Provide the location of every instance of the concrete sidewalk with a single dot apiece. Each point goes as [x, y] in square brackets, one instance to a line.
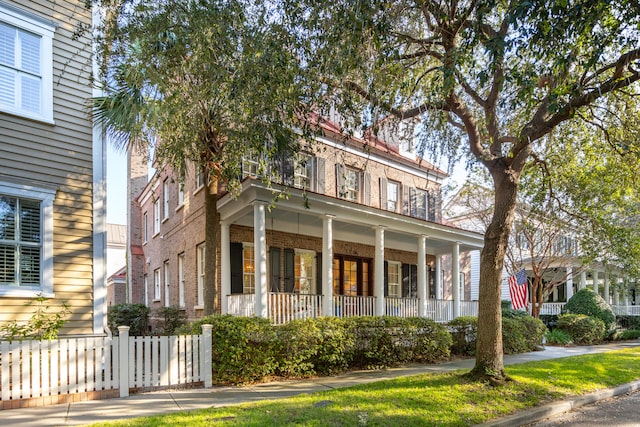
[163, 402]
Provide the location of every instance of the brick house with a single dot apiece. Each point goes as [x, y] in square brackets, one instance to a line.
[360, 233]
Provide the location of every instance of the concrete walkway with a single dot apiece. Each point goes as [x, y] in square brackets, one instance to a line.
[163, 402]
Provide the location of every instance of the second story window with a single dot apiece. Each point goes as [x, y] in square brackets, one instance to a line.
[180, 194]
[145, 227]
[250, 166]
[392, 196]
[303, 171]
[418, 203]
[165, 199]
[199, 178]
[352, 184]
[26, 66]
[156, 217]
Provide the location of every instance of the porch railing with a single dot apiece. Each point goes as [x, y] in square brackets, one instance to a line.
[346, 306]
[284, 307]
[626, 310]
[401, 307]
[551, 308]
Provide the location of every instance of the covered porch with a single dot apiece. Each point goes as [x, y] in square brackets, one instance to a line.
[350, 240]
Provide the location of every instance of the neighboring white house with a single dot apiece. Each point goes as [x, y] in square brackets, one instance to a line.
[552, 251]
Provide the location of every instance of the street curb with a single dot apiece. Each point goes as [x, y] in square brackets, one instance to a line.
[557, 408]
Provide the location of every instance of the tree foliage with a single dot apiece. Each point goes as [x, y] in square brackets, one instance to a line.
[201, 81]
[493, 78]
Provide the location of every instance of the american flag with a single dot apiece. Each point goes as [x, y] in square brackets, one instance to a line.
[518, 290]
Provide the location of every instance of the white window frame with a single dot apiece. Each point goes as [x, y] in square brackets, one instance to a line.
[165, 200]
[352, 184]
[181, 280]
[248, 270]
[156, 284]
[46, 197]
[199, 179]
[200, 271]
[145, 227]
[298, 278]
[250, 166]
[146, 290]
[165, 267]
[303, 171]
[180, 195]
[397, 285]
[414, 194]
[44, 29]
[393, 205]
[156, 217]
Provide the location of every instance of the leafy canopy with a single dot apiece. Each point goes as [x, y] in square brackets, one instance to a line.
[203, 81]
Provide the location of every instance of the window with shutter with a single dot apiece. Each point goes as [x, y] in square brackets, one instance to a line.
[26, 66]
[26, 241]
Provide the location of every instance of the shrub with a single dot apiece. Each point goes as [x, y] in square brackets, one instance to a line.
[582, 328]
[587, 302]
[521, 334]
[431, 341]
[135, 316]
[628, 322]
[464, 333]
[169, 319]
[296, 346]
[243, 348]
[558, 337]
[629, 334]
[335, 353]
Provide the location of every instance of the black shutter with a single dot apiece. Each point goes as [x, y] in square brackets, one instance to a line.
[340, 181]
[236, 268]
[366, 190]
[406, 203]
[431, 206]
[386, 279]
[406, 280]
[320, 175]
[289, 270]
[274, 259]
[319, 273]
[414, 281]
[288, 167]
[383, 194]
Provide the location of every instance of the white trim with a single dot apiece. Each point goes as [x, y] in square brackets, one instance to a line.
[45, 30]
[99, 150]
[422, 173]
[46, 197]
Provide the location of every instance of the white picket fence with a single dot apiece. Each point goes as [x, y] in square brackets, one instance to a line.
[48, 370]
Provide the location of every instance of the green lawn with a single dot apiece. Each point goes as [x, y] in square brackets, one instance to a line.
[423, 400]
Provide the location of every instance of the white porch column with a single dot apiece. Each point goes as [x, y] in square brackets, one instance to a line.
[455, 278]
[605, 291]
[594, 274]
[583, 279]
[260, 258]
[439, 294]
[569, 283]
[378, 283]
[225, 267]
[625, 291]
[422, 276]
[327, 265]
[616, 294]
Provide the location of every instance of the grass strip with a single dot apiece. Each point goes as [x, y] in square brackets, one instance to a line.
[423, 400]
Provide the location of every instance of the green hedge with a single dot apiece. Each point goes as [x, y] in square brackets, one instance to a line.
[521, 333]
[582, 328]
[135, 316]
[587, 302]
[250, 349]
[464, 332]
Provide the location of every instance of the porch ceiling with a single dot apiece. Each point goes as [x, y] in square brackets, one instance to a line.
[351, 221]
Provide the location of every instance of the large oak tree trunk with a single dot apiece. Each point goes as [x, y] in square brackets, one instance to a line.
[489, 362]
[211, 248]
